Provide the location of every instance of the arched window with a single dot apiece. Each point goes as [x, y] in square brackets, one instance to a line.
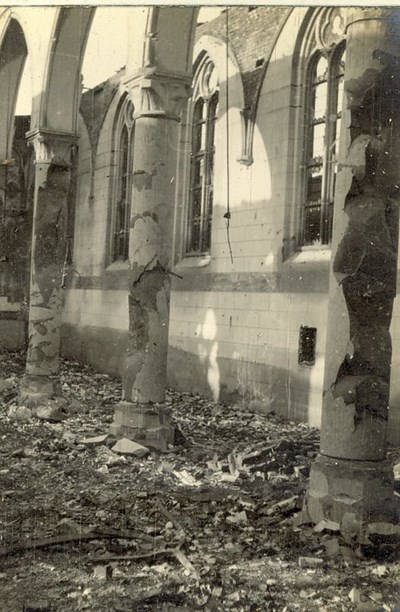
[323, 115]
[122, 183]
[204, 116]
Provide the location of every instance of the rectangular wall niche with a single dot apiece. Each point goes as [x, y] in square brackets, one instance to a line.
[307, 345]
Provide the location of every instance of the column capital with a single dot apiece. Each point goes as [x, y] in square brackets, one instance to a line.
[359, 13]
[51, 146]
[156, 94]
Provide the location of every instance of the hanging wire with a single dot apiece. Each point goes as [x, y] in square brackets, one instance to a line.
[227, 215]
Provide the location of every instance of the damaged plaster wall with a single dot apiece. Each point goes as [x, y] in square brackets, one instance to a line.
[365, 262]
[48, 257]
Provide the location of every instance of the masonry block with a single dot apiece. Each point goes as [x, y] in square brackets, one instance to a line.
[146, 424]
[351, 493]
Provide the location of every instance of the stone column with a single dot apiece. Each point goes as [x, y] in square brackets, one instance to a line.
[158, 102]
[351, 481]
[52, 179]
[3, 240]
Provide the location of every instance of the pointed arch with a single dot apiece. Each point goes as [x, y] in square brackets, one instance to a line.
[13, 53]
[318, 72]
[166, 24]
[59, 109]
[121, 180]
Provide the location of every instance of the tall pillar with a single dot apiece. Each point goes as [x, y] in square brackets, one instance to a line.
[142, 415]
[52, 179]
[351, 480]
[3, 239]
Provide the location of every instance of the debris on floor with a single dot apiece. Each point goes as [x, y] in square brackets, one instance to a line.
[90, 522]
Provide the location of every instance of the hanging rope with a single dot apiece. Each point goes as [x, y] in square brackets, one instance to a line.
[227, 215]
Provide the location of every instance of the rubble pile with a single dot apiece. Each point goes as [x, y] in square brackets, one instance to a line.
[92, 522]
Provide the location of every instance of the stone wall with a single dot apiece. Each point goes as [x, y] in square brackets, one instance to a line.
[234, 326]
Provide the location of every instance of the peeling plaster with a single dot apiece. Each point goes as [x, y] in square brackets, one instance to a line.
[49, 231]
[146, 286]
[365, 264]
[142, 179]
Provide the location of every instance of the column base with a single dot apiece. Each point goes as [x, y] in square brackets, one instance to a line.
[35, 389]
[352, 493]
[146, 424]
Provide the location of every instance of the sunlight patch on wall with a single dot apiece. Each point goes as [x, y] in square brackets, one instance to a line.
[207, 349]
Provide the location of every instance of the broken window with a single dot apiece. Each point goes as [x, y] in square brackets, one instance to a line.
[323, 103]
[204, 116]
[307, 345]
[122, 184]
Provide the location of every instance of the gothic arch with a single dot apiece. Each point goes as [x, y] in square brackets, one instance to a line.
[57, 52]
[63, 79]
[215, 48]
[169, 39]
[318, 30]
[13, 53]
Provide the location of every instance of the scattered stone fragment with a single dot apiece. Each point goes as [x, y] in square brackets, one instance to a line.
[94, 441]
[69, 437]
[332, 547]
[68, 526]
[7, 383]
[350, 526]
[348, 555]
[285, 506]
[102, 572]
[102, 470]
[375, 596]
[216, 591]
[307, 594]
[19, 413]
[239, 518]
[380, 571]
[235, 596]
[108, 458]
[124, 446]
[185, 478]
[310, 562]
[325, 525]
[302, 470]
[301, 518]
[74, 407]
[355, 595]
[166, 467]
[52, 410]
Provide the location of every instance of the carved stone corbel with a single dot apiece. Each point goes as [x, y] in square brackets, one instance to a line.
[159, 95]
[247, 121]
[52, 147]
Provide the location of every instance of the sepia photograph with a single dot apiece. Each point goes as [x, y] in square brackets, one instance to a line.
[199, 319]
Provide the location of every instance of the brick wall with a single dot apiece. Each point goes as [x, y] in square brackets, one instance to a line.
[251, 34]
